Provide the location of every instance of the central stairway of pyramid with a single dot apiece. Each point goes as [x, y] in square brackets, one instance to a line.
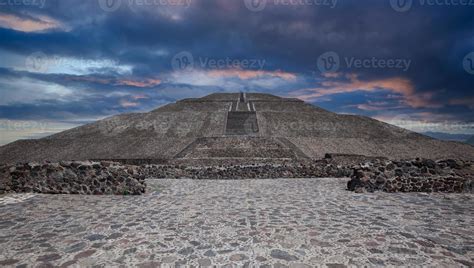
[241, 139]
[241, 118]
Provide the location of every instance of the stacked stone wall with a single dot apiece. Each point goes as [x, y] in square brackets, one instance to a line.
[72, 178]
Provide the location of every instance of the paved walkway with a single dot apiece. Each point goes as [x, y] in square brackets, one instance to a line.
[275, 223]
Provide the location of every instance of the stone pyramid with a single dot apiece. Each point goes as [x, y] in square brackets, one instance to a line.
[249, 126]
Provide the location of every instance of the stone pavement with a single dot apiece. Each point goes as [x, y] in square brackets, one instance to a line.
[263, 223]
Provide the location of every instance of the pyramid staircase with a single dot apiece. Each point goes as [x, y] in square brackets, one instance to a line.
[241, 118]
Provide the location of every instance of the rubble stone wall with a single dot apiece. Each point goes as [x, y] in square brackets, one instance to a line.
[317, 169]
[72, 178]
[419, 175]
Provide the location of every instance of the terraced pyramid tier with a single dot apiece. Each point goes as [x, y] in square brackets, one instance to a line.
[241, 147]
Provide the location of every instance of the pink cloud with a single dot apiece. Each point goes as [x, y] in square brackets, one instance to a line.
[139, 83]
[30, 23]
[133, 101]
[469, 102]
[401, 86]
[128, 104]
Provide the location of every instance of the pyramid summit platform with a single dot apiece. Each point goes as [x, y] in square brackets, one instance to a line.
[221, 126]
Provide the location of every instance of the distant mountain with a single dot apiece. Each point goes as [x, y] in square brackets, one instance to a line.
[470, 141]
[448, 136]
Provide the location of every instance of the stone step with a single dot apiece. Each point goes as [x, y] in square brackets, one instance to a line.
[241, 123]
[239, 147]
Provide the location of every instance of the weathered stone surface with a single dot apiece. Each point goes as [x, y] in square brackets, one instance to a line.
[306, 169]
[72, 178]
[314, 220]
[418, 175]
[114, 178]
[282, 255]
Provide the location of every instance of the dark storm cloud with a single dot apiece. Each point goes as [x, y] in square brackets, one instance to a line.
[434, 39]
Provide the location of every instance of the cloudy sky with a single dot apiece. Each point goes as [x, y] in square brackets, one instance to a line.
[69, 62]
